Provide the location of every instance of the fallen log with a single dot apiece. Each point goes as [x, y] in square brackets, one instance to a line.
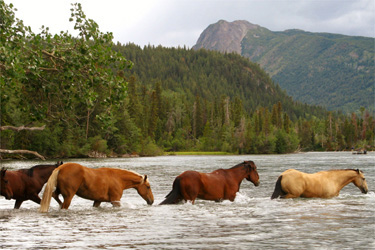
[21, 151]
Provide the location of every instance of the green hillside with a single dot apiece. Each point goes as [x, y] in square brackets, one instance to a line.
[331, 70]
[211, 75]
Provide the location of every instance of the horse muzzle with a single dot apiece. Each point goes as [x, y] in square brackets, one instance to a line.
[257, 183]
[8, 196]
[364, 190]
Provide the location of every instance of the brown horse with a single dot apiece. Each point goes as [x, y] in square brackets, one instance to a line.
[99, 185]
[221, 184]
[5, 188]
[325, 184]
[25, 184]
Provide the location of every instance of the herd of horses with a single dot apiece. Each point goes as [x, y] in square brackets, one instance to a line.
[107, 184]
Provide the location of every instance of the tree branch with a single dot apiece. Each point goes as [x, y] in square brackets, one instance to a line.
[21, 151]
[21, 128]
[52, 55]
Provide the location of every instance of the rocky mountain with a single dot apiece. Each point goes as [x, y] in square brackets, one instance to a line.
[224, 36]
[326, 69]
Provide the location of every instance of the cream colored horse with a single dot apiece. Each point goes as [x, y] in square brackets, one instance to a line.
[325, 184]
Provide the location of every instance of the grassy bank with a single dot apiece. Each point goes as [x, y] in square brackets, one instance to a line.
[198, 153]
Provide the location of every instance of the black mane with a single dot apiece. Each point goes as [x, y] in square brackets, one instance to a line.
[244, 164]
[30, 171]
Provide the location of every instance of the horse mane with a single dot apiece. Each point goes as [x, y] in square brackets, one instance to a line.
[242, 164]
[30, 171]
[130, 171]
[348, 169]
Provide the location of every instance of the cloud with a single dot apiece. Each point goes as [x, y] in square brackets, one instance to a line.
[180, 22]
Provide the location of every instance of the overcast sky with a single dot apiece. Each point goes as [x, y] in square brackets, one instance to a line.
[180, 22]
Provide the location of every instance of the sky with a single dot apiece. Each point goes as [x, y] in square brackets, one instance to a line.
[173, 23]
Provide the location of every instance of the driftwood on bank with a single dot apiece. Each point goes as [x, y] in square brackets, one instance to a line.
[21, 128]
[21, 151]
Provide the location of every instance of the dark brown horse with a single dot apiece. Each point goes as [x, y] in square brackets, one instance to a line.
[221, 184]
[99, 185]
[25, 184]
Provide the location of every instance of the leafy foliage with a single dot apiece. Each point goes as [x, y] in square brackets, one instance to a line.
[61, 80]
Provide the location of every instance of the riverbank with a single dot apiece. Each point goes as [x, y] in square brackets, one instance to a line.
[199, 153]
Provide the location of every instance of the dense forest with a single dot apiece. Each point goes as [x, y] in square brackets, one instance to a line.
[94, 102]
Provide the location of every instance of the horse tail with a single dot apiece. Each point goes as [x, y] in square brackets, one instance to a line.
[50, 188]
[175, 195]
[278, 189]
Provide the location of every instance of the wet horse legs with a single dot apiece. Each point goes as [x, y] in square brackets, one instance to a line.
[67, 201]
[18, 203]
[96, 203]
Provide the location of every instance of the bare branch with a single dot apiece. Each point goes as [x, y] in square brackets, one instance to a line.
[48, 69]
[52, 55]
[21, 128]
[21, 151]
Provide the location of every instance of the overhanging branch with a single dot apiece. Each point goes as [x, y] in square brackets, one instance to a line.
[21, 128]
[22, 151]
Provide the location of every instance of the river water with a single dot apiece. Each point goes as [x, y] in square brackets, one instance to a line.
[252, 221]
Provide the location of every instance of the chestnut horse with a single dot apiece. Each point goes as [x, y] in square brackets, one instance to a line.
[221, 184]
[325, 184]
[99, 185]
[25, 184]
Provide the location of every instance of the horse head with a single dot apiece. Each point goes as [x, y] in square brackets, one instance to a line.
[144, 190]
[252, 174]
[4, 186]
[360, 181]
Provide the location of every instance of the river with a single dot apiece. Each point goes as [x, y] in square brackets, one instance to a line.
[252, 221]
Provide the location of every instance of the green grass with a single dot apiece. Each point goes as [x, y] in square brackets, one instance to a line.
[198, 153]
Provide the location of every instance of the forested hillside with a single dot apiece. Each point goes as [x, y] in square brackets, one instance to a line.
[332, 70]
[209, 101]
[94, 102]
[211, 76]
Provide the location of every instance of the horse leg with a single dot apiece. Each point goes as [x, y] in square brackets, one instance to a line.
[189, 193]
[35, 199]
[56, 197]
[96, 203]
[18, 204]
[287, 196]
[67, 201]
[116, 203]
[231, 197]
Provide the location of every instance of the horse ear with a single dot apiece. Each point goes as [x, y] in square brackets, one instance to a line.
[145, 177]
[358, 171]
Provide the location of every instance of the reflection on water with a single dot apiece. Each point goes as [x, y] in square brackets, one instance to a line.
[252, 221]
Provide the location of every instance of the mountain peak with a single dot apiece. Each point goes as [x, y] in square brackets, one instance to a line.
[317, 68]
[224, 36]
